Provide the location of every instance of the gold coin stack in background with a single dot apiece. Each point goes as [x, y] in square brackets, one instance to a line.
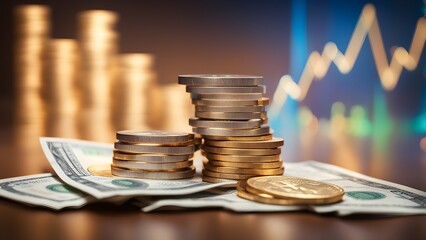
[153, 155]
[97, 40]
[231, 118]
[131, 91]
[61, 99]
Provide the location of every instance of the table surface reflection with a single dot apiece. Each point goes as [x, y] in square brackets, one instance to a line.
[21, 154]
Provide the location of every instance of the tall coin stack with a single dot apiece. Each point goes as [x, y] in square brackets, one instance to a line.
[61, 56]
[153, 155]
[98, 48]
[32, 29]
[231, 117]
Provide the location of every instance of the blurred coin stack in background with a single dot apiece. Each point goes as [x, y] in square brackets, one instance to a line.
[32, 25]
[131, 91]
[61, 99]
[231, 117]
[98, 48]
[153, 155]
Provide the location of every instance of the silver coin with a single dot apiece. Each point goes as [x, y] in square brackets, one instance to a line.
[232, 132]
[151, 166]
[247, 124]
[159, 175]
[231, 102]
[231, 115]
[153, 136]
[207, 90]
[230, 109]
[150, 157]
[234, 96]
[139, 148]
[219, 80]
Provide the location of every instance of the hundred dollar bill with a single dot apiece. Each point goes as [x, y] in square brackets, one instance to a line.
[43, 190]
[70, 159]
[364, 195]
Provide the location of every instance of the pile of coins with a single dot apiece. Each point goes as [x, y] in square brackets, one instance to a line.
[231, 118]
[153, 155]
[286, 190]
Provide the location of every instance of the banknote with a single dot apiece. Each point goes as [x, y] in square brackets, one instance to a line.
[71, 158]
[43, 190]
[364, 195]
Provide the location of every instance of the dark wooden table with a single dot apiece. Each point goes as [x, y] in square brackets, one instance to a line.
[21, 156]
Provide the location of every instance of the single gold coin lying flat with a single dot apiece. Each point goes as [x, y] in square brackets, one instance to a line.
[213, 90]
[159, 175]
[297, 188]
[219, 80]
[140, 148]
[239, 138]
[208, 179]
[151, 166]
[274, 143]
[251, 171]
[102, 170]
[153, 136]
[231, 115]
[265, 198]
[234, 96]
[264, 129]
[244, 124]
[231, 103]
[230, 109]
[242, 158]
[255, 165]
[238, 151]
[231, 176]
[151, 157]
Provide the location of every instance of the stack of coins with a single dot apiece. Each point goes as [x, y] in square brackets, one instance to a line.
[97, 40]
[287, 190]
[61, 96]
[231, 117]
[153, 155]
[134, 79]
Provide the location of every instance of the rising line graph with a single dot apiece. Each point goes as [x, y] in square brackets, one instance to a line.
[318, 64]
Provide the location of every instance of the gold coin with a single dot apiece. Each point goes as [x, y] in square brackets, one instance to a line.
[274, 143]
[219, 80]
[159, 175]
[264, 129]
[231, 102]
[295, 187]
[102, 170]
[241, 158]
[256, 165]
[139, 148]
[219, 180]
[174, 144]
[245, 124]
[234, 96]
[213, 90]
[231, 115]
[151, 158]
[151, 166]
[265, 198]
[251, 171]
[230, 109]
[237, 138]
[153, 136]
[231, 176]
[238, 151]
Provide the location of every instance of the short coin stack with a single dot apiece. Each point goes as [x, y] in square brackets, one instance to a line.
[231, 117]
[287, 190]
[153, 155]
